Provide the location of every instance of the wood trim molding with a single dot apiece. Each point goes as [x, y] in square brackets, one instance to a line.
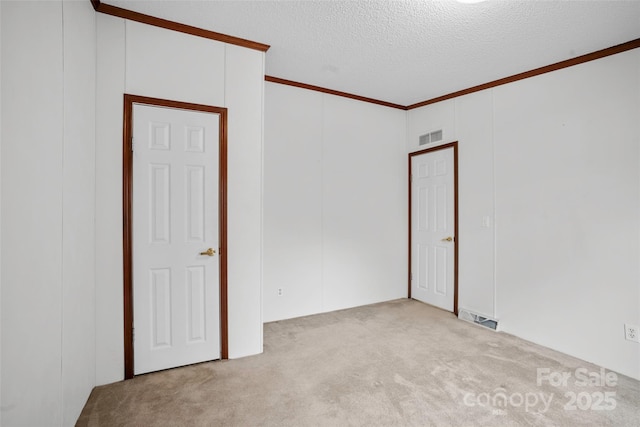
[127, 235]
[456, 248]
[278, 80]
[456, 229]
[119, 12]
[127, 224]
[633, 44]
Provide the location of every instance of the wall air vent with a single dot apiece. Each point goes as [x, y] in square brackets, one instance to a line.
[430, 137]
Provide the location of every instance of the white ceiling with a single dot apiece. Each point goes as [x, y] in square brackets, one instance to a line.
[408, 51]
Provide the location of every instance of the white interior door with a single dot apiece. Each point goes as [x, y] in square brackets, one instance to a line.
[433, 227]
[176, 309]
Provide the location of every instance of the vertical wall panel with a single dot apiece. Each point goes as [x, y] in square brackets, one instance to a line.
[186, 68]
[244, 98]
[474, 128]
[32, 194]
[78, 327]
[52, 169]
[293, 202]
[109, 300]
[364, 203]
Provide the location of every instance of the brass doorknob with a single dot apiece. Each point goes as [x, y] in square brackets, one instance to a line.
[209, 252]
[448, 239]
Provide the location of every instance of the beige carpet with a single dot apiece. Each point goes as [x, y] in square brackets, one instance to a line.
[395, 363]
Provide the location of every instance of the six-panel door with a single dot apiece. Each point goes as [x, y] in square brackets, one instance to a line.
[175, 220]
[433, 228]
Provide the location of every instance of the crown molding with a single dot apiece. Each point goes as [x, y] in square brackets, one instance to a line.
[633, 44]
[333, 92]
[119, 12]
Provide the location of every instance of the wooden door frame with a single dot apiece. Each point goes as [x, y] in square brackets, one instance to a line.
[453, 145]
[127, 225]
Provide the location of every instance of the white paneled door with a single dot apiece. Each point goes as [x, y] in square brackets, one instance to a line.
[433, 237]
[176, 309]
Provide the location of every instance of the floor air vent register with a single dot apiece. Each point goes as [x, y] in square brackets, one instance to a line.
[478, 319]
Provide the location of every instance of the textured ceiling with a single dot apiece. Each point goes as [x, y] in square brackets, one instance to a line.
[408, 51]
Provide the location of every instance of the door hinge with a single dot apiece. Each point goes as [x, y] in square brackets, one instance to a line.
[133, 334]
[132, 145]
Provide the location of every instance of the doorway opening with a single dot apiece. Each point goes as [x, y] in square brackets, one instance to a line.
[433, 226]
[132, 102]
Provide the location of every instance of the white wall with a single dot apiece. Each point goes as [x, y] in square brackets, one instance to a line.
[48, 71]
[335, 203]
[554, 159]
[567, 209]
[142, 60]
[78, 207]
[110, 41]
[32, 212]
[244, 86]
[292, 202]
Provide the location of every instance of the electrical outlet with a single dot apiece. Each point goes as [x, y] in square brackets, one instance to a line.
[631, 332]
[279, 292]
